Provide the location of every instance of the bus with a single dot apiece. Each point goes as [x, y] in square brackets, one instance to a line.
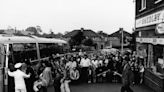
[15, 49]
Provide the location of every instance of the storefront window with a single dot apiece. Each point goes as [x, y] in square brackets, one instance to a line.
[142, 54]
[158, 58]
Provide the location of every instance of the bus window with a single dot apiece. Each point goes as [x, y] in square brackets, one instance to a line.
[22, 51]
[47, 49]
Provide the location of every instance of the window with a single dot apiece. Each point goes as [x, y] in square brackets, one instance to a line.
[157, 1]
[22, 51]
[143, 5]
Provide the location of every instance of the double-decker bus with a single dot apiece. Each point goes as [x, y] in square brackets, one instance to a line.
[15, 49]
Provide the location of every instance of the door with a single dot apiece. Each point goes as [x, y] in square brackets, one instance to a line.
[2, 67]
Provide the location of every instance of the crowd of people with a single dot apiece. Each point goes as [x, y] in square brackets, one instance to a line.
[82, 67]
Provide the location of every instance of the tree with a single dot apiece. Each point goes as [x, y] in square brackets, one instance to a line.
[59, 35]
[19, 33]
[38, 28]
[77, 39]
[66, 32]
[51, 34]
[88, 42]
[32, 29]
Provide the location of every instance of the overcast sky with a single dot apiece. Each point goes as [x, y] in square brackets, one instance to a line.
[67, 15]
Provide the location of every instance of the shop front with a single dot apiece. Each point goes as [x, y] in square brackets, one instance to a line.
[154, 61]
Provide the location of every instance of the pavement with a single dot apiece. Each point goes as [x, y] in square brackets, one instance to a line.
[104, 87]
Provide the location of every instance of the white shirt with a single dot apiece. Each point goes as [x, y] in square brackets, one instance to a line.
[68, 64]
[71, 64]
[101, 62]
[85, 62]
[106, 61]
[74, 64]
[95, 62]
[47, 76]
[19, 78]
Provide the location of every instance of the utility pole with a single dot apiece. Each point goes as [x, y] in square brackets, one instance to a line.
[122, 40]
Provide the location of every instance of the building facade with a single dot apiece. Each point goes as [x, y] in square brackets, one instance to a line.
[120, 37]
[149, 28]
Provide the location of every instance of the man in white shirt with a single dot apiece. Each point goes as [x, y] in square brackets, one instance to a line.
[19, 78]
[85, 64]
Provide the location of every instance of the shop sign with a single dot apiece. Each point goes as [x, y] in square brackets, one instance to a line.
[140, 40]
[154, 41]
[144, 40]
[151, 19]
[160, 28]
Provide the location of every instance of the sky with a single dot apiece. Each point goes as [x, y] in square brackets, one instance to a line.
[66, 15]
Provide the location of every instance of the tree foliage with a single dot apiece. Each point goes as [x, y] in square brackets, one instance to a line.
[88, 42]
[77, 39]
[19, 33]
[38, 28]
[32, 29]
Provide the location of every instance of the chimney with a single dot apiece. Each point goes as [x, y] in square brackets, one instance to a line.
[82, 29]
[121, 29]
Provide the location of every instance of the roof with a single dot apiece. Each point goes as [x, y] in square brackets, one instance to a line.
[48, 40]
[86, 32]
[90, 33]
[118, 33]
[28, 39]
[101, 33]
[71, 34]
[1, 31]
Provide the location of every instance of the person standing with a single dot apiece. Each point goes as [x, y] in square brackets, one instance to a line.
[30, 81]
[57, 79]
[127, 77]
[11, 85]
[85, 64]
[65, 80]
[46, 75]
[19, 78]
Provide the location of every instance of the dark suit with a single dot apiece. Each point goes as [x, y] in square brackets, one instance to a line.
[127, 78]
[30, 81]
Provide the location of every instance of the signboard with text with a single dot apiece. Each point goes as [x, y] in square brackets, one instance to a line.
[151, 19]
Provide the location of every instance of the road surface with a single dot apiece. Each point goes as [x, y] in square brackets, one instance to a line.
[104, 87]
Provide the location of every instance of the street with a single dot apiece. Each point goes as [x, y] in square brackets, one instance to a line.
[103, 87]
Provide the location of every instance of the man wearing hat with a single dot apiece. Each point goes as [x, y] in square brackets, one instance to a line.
[19, 78]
